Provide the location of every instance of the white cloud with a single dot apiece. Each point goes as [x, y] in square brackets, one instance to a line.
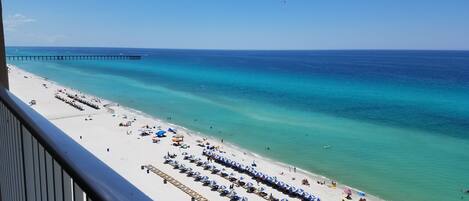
[12, 22]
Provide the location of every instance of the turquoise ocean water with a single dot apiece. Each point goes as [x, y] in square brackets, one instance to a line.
[397, 122]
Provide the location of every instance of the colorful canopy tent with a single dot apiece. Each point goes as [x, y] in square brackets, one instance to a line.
[160, 133]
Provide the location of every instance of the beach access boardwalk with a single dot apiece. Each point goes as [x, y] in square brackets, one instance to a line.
[73, 57]
[176, 183]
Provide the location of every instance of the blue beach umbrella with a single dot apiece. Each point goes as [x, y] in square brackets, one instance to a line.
[291, 189]
[300, 192]
[313, 198]
[172, 130]
[160, 133]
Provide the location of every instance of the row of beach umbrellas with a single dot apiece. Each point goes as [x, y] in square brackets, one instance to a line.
[232, 177]
[205, 180]
[262, 177]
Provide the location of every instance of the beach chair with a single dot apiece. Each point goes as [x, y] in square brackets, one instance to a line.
[198, 177]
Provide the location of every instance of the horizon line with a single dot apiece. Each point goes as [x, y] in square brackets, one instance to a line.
[163, 48]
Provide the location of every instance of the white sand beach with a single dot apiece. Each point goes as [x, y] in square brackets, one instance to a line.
[125, 150]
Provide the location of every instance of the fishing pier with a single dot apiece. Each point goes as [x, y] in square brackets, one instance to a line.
[74, 57]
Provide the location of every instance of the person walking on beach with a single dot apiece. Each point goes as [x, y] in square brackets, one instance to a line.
[294, 169]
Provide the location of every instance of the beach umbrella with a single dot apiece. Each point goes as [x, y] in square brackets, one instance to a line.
[348, 191]
[206, 181]
[234, 196]
[283, 186]
[249, 185]
[172, 162]
[190, 171]
[270, 179]
[284, 199]
[191, 158]
[207, 166]
[263, 176]
[167, 159]
[232, 177]
[231, 162]
[300, 192]
[160, 133]
[176, 139]
[313, 198]
[197, 177]
[292, 189]
[261, 189]
[213, 183]
[223, 174]
[279, 183]
[179, 136]
[215, 169]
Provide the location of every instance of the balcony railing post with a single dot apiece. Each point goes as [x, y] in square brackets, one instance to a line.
[3, 66]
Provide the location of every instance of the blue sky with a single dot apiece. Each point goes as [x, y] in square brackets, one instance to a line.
[239, 24]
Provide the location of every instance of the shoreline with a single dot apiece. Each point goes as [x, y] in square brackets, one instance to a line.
[231, 149]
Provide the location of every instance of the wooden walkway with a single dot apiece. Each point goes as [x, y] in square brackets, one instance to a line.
[176, 183]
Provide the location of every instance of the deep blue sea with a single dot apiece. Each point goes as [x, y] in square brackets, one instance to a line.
[397, 122]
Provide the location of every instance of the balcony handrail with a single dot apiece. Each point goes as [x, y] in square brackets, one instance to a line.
[98, 180]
